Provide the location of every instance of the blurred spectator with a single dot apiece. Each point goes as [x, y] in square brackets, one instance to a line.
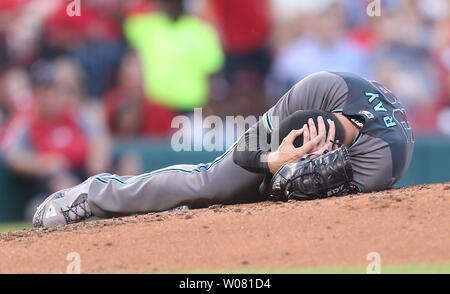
[93, 39]
[325, 45]
[403, 60]
[71, 77]
[179, 52]
[245, 29]
[21, 23]
[129, 112]
[289, 21]
[56, 144]
[15, 95]
[441, 55]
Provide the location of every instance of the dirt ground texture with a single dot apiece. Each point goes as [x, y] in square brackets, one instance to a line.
[405, 226]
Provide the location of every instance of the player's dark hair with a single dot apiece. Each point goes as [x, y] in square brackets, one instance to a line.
[296, 121]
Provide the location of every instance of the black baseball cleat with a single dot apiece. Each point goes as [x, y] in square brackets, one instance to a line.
[64, 207]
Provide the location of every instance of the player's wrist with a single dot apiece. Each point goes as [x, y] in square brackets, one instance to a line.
[275, 161]
[271, 162]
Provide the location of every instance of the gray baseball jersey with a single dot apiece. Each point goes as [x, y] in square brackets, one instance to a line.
[382, 151]
[380, 154]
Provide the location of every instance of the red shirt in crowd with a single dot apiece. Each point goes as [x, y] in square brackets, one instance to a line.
[62, 136]
[92, 24]
[244, 25]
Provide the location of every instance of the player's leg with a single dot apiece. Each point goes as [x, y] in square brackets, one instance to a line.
[193, 185]
[107, 195]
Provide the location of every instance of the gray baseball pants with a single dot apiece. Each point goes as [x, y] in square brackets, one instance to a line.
[221, 181]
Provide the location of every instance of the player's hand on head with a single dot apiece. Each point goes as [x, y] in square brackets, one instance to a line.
[287, 152]
[327, 143]
[315, 141]
[287, 145]
[312, 128]
[320, 130]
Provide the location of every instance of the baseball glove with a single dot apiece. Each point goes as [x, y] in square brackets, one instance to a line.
[327, 175]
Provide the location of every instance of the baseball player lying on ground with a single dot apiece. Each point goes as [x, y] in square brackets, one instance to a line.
[338, 134]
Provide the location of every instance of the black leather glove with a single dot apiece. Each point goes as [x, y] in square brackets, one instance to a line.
[327, 175]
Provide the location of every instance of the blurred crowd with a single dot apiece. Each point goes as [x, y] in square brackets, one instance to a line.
[72, 85]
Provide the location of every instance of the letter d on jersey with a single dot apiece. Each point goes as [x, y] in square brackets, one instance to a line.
[374, 8]
[374, 266]
[74, 267]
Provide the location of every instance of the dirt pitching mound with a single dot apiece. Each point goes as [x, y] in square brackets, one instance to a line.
[405, 226]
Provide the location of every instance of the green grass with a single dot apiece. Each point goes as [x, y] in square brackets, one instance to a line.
[10, 227]
[388, 269]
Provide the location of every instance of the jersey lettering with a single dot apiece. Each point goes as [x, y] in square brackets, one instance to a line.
[386, 92]
[398, 115]
[380, 107]
[372, 96]
[389, 122]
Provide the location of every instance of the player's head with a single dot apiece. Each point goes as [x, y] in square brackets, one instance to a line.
[296, 121]
[57, 84]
